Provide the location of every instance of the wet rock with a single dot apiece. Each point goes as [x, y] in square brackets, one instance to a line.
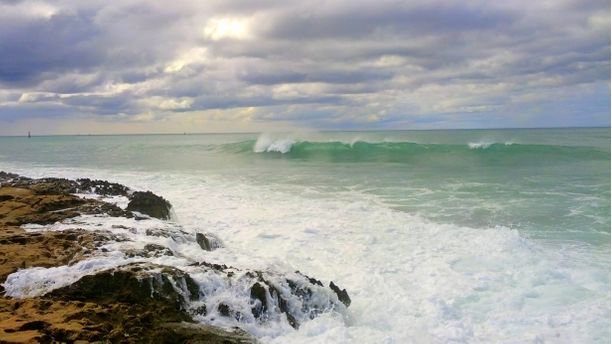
[136, 283]
[149, 251]
[201, 334]
[265, 296]
[102, 187]
[310, 279]
[224, 309]
[342, 294]
[7, 176]
[6, 198]
[44, 249]
[207, 241]
[53, 186]
[227, 311]
[154, 250]
[93, 207]
[150, 204]
[259, 293]
[33, 325]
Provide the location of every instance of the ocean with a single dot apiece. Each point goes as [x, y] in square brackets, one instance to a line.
[438, 236]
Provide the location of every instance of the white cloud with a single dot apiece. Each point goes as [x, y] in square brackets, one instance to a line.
[164, 103]
[228, 28]
[31, 9]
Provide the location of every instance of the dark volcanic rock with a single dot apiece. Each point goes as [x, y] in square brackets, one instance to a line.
[342, 294]
[50, 186]
[150, 204]
[136, 283]
[7, 176]
[102, 187]
[207, 242]
[259, 292]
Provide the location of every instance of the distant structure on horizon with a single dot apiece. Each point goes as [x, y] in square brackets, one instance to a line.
[29, 135]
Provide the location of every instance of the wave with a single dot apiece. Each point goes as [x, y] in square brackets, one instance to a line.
[485, 145]
[405, 151]
[267, 144]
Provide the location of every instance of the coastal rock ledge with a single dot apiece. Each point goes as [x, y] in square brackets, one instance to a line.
[77, 267]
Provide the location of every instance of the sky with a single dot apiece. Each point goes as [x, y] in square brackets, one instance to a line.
[131, 66]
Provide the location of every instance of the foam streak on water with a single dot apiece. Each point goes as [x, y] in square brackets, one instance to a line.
[411, 280]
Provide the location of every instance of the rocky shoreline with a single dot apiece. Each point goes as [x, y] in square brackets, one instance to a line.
[67, 274]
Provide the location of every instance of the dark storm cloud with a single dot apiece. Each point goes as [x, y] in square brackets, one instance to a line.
[329, 76]
[337, 64]
[398, 19]
[31, 50]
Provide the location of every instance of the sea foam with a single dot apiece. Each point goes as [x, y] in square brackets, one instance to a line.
[410, 279]
[266, 143]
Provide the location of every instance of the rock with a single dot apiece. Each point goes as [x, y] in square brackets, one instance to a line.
[53, 186]
[7, 176]
[154, 250]
[45, 249]
[224, 309]
[207, 242]
[33, 325]
[150, 204]
[138, 302]
[6, 198]
[342, 294]
[201, 334]
[102, 187]
[135, 283]
[259, 293]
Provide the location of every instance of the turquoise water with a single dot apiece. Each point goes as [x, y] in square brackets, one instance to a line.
[549, 188]
[550, 183]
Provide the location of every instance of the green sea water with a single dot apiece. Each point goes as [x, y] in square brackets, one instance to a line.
[549, 183]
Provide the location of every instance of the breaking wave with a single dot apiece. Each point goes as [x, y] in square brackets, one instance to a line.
[404, 151]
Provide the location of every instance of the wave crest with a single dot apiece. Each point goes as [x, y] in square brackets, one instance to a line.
[266, 143]
[486, 144]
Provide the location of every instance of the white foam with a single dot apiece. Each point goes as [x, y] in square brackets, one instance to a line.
[266, 143]
[480, 145]
[38, 281]
[410, 280]
[487, 144]
[118, 200]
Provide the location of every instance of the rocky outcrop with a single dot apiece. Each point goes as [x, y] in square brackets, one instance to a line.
[138, 302]
[150, 204]
[102, 187]
[64, 186]
[136, 283]
[297, 298]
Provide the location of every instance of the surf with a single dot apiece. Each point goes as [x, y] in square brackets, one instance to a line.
[358, 150]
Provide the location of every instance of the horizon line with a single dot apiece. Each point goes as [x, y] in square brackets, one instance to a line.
[315, 130]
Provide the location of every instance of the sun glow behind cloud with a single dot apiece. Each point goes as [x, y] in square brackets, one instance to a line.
[227, 28]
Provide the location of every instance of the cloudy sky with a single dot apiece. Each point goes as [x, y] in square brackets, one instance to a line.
[207, 66]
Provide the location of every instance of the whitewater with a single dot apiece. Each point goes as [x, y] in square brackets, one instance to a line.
[461, 236]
